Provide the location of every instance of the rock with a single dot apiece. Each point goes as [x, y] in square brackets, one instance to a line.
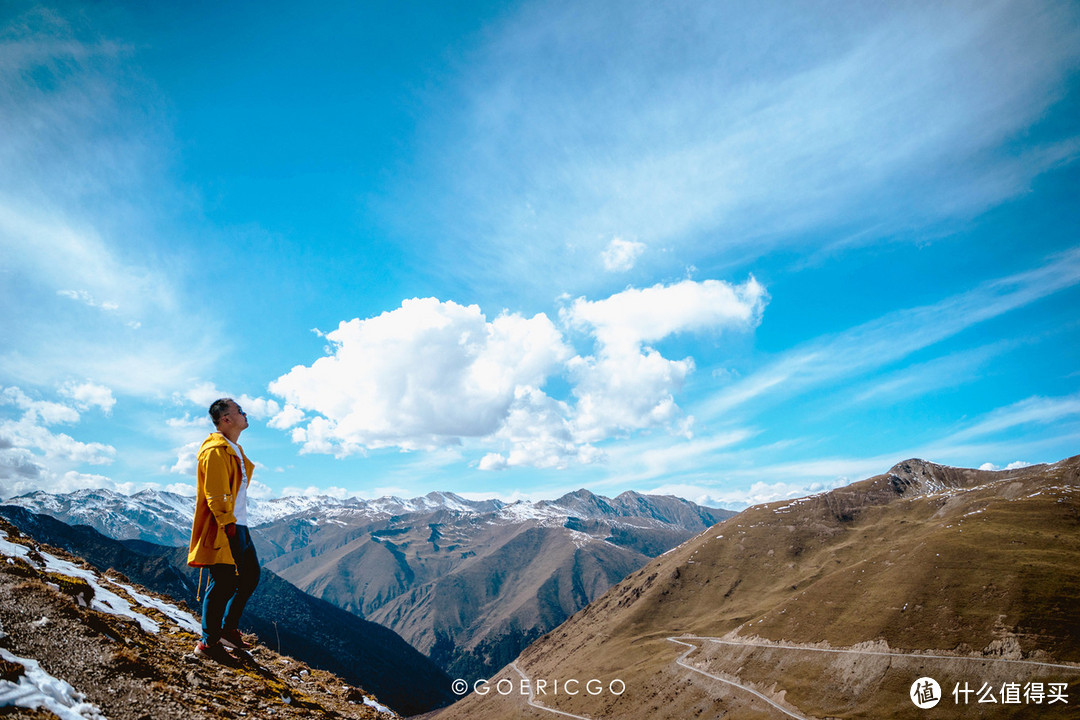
[196, 680]
[11, 671]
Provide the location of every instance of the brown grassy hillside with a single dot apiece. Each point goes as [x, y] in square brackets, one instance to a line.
[124, 672]
[923, 559]
[472, 589]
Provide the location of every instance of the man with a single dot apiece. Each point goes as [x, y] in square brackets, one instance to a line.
[219, 534]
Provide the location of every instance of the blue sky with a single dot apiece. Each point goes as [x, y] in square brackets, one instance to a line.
[731, 251]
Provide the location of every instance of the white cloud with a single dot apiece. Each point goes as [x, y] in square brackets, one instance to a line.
[44, 411]
[431, 374]
[289, 416]
[205, 393]
[258, 407]
[626, 386]
[71, 481]
[493, 461]
[539, 435]
[187, 459]
[260, 490]
[312, 491]
[620, 255]
[1015, 465]
[85, 297]
[626, 391]
[422, 376]
[18, 463]
[28, 434]
[184, 489]
[631, 317]
[34, 457]
[188, 423]
[87, 395]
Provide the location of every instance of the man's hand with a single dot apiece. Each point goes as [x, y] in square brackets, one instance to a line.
[230, 530]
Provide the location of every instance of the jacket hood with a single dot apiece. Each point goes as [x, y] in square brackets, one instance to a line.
[215, 440]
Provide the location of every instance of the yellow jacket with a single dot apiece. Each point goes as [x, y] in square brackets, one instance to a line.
[217, 482]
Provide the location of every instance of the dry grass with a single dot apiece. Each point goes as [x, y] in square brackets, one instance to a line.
[131, 674]
[929, 559]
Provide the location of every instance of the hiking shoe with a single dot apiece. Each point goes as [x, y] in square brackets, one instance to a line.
[233, 640]
[215, 651]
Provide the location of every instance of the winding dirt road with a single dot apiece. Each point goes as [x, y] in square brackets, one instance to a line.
[788, 711]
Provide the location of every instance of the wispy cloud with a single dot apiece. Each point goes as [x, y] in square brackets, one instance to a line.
[1040, 411]
[899, 334]
[640, 120]
[921, 379]
[80, 158]
[620, 255]
[85, 297]
[33, 455]
[748, 474]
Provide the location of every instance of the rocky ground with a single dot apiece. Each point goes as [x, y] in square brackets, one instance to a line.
[121, 671]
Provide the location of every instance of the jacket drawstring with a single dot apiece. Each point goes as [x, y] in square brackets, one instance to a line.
[198, 588]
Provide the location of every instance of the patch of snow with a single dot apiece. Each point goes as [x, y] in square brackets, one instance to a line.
[793, 503]
[522, 511]
[182, 618]
[106, 600]
[580, 539]
[377, 706]
[11, 549]
[38, 689]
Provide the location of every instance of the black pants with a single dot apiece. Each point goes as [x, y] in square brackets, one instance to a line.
[230, 587]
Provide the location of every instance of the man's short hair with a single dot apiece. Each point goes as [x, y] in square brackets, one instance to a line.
[218, 408]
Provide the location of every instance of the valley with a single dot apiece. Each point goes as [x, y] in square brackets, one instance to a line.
[834, 605]
[468, 583]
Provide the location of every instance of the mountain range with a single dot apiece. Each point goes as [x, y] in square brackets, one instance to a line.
[469, 583]
[836, 605]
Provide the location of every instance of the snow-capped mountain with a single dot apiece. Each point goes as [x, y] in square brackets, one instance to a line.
[155, 516]
[165, 518]
[470, 583]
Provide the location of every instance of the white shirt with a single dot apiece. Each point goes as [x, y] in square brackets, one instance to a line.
[240, 507]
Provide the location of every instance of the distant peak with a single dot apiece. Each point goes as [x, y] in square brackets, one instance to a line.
[912, 465]
[444, 495]
[921, 476]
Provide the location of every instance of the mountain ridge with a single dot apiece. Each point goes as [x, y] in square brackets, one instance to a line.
[452, 583]
[165, 517]
[76, 642]
[832, 605]
[433, 569]
[310, 629]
